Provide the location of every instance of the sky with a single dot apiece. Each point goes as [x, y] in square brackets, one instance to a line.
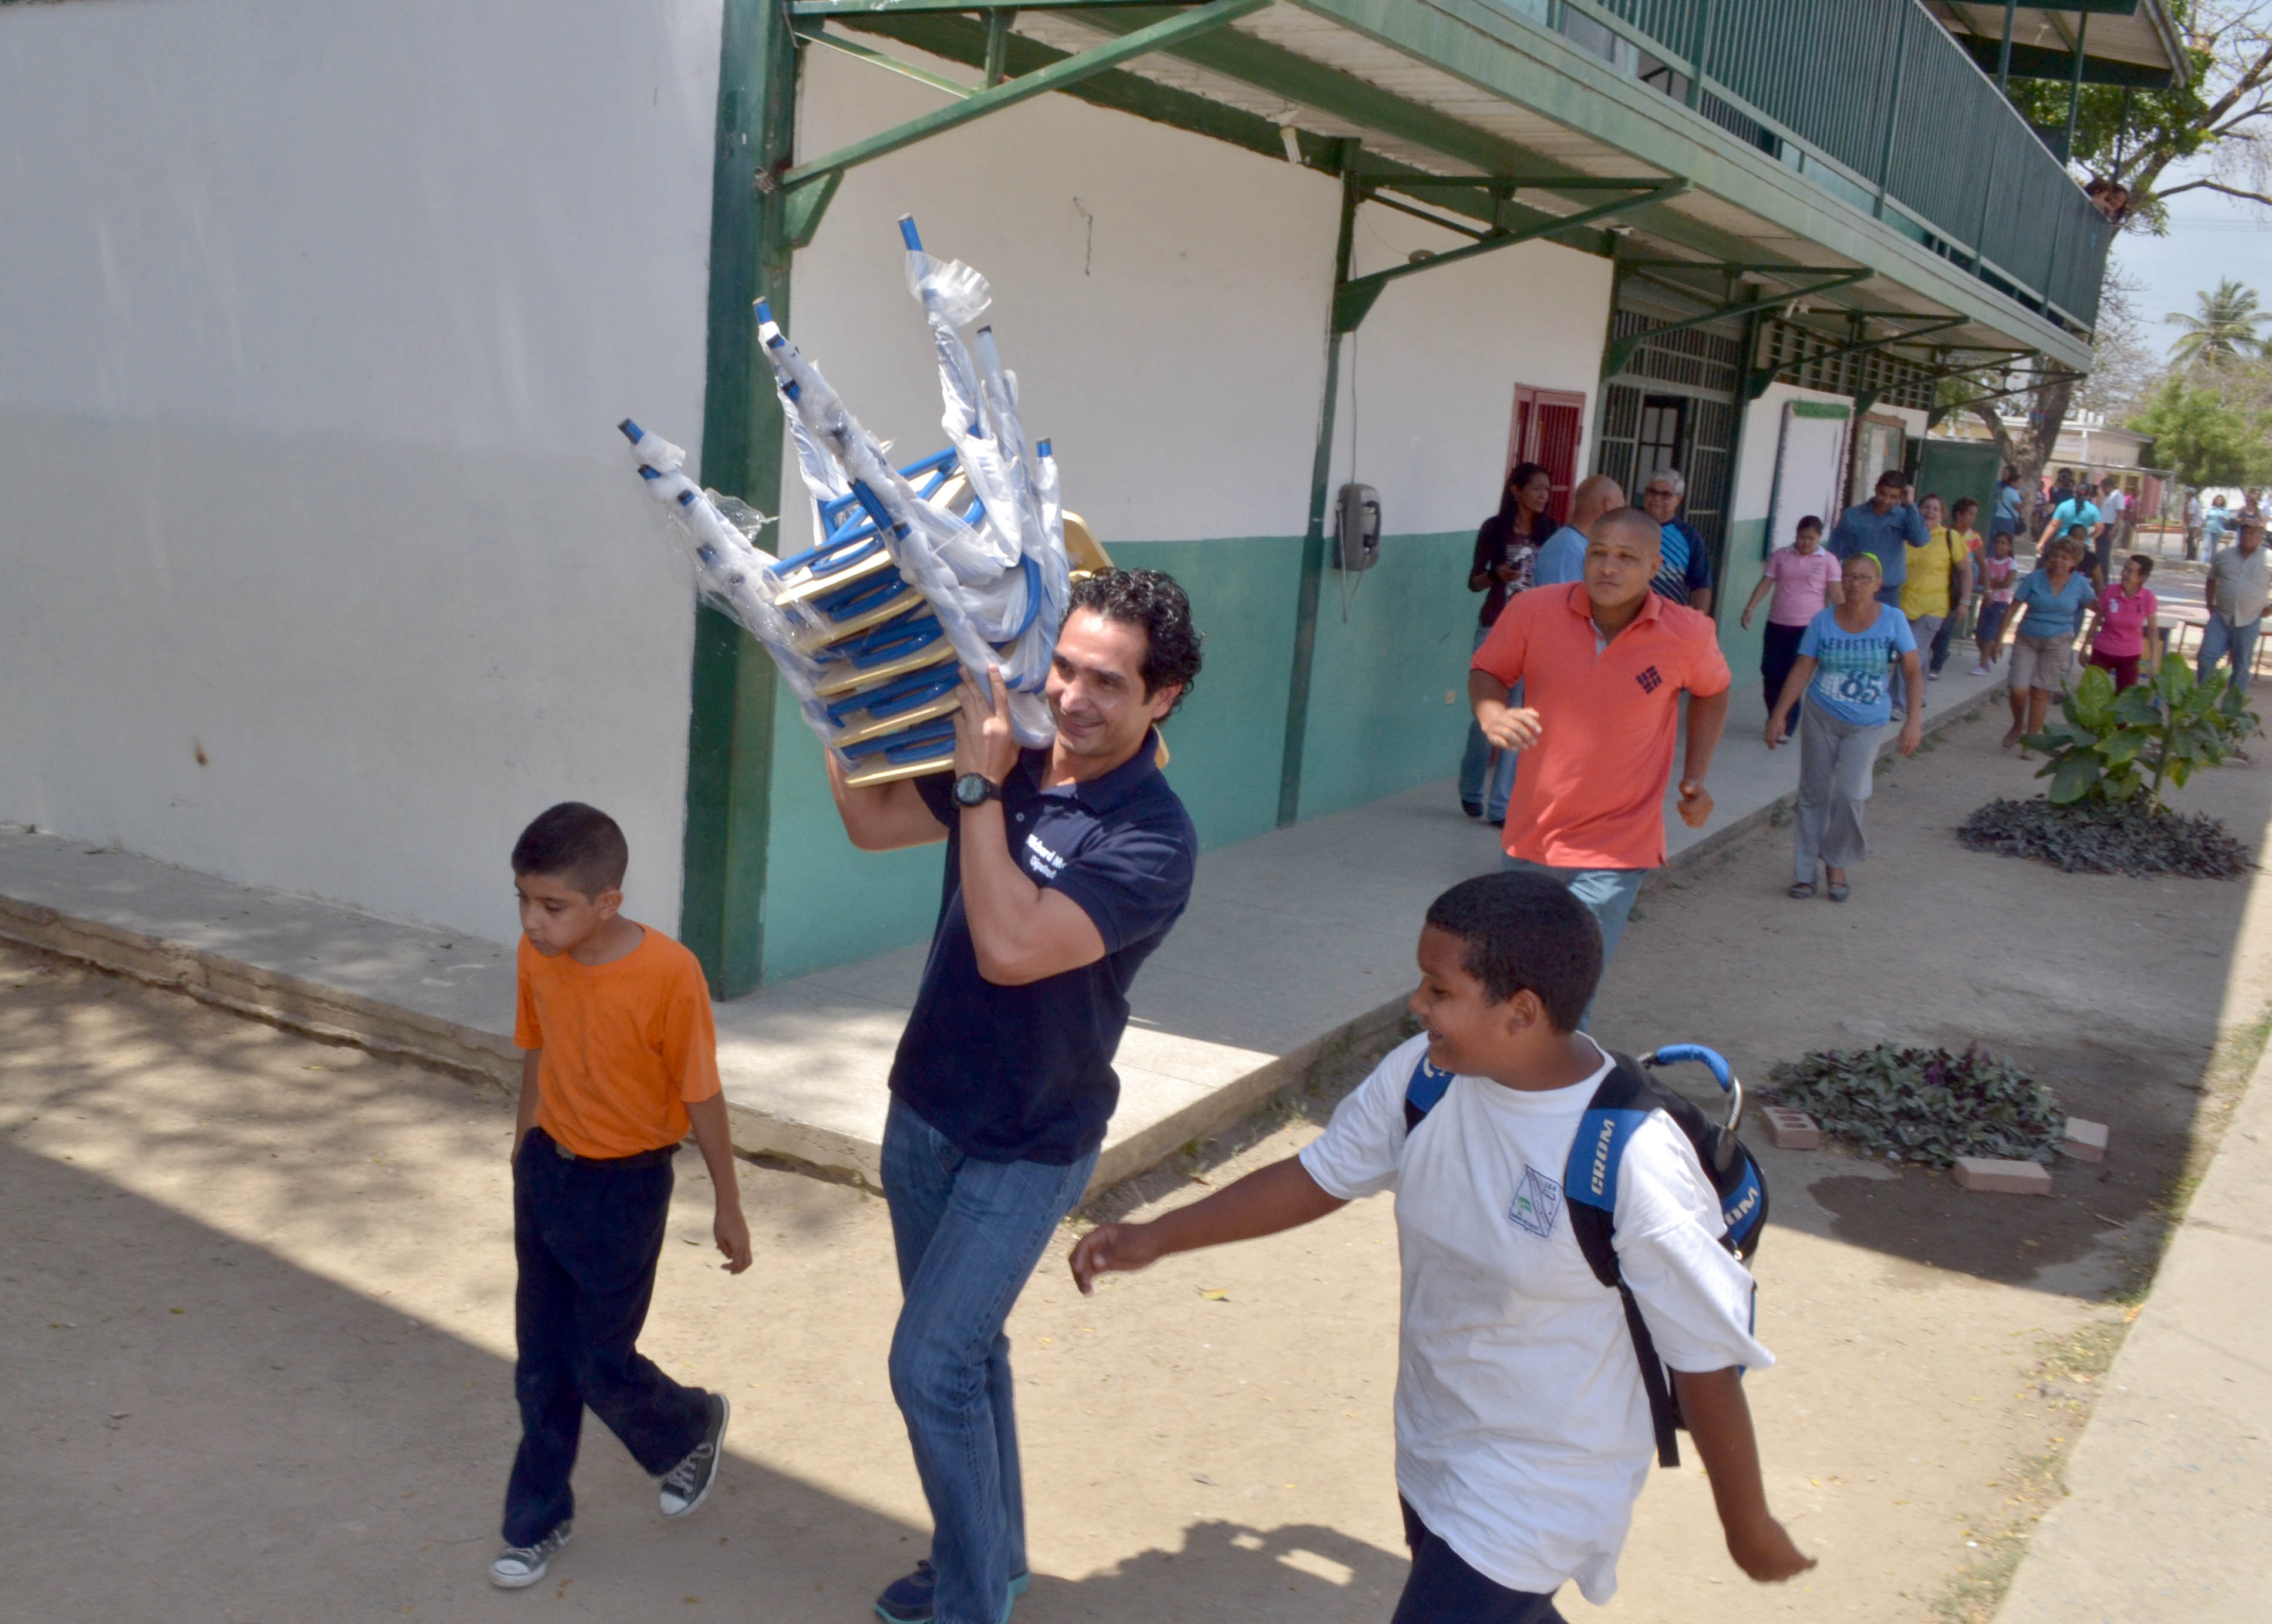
[2211, 237]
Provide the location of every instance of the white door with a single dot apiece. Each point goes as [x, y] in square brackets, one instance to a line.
[1809, 459]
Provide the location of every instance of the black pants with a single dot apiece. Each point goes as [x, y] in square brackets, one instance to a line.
[1444, 1589]
[587, 1235]
[1778, 652]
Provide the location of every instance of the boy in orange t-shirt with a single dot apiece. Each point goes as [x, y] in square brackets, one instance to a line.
[622, 1061]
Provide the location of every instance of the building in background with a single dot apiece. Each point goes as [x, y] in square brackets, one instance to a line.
[326, 568]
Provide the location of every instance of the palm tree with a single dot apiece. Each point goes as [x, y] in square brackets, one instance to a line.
[2224, 329]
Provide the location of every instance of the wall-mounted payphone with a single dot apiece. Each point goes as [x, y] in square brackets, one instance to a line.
[1356, 528]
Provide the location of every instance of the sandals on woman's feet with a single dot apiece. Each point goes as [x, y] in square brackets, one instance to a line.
[1802, 890]
[1838, 891]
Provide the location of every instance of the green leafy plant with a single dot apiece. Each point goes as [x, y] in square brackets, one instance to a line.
[2110, 746]
[1928, 1106]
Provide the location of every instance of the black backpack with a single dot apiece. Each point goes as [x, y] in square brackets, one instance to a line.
[1589, 1180]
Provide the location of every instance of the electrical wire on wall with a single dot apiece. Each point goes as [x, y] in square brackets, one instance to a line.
[1349, 591]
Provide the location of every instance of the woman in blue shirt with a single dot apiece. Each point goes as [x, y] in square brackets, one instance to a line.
[2049, 605]
[1846, 661]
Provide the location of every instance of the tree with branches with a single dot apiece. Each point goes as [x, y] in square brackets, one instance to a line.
[2215, 130]
[2213, 133]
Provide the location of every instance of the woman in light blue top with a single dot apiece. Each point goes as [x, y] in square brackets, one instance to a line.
[2048, 606]
[1845, 667]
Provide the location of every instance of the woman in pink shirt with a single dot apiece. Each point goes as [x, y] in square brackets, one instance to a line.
[1804, 581]
[2126, 619]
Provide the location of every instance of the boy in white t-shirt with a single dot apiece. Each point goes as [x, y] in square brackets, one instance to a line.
[1523, 1433]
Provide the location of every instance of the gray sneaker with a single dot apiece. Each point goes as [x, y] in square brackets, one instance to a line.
[518, 1566]
[687, 1485]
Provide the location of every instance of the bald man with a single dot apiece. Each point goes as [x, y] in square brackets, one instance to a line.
[1563, 558]
[1603, 662]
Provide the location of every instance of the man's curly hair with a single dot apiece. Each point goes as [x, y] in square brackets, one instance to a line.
[1150, 599]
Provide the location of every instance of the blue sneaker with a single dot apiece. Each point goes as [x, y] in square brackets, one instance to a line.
[908, 1600]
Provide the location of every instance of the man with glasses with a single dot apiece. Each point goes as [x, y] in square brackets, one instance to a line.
[1685, 576]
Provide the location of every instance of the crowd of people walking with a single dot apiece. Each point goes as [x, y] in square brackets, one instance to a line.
[1861, 616]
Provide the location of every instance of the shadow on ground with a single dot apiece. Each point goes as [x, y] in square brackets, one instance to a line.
[2130, 998]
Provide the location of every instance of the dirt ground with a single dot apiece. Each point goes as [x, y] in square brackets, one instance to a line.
[255, 1298]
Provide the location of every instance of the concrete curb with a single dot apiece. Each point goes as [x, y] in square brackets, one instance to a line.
[302, 1005]
[2169, 1486]
[294, 1002]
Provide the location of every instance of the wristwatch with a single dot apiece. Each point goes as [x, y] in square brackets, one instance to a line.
[975, 790]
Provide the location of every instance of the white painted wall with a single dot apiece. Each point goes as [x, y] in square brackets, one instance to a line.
[319, 319]
[1164, 298]
[1428, 382]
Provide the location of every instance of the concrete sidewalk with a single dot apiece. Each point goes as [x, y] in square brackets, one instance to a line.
[1296, 946]
[2170, 1491]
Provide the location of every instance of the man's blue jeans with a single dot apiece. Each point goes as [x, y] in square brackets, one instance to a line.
[2222, 642]
[1475, 765]
[1607, 892]
[967, 1234]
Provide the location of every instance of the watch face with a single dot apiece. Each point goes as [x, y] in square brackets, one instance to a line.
[972, 789]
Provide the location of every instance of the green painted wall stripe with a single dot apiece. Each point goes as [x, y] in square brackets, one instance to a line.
[729, 734]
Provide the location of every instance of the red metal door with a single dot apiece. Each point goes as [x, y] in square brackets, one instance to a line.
[1548, 425]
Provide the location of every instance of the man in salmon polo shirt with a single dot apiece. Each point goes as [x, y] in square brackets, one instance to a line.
[1603, 662]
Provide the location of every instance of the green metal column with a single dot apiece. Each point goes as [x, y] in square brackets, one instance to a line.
[2004, 51]
[1313, 537]
[730, 735]
[2074, 89]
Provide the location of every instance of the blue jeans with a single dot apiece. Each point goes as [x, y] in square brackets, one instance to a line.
[2222, 642]
[1475, 764]
[1607, 892]
[967, 1234]
[1444, 1589]
[587, 1235]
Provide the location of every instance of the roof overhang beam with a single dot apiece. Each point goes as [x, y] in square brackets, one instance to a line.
[1353, 298]
[1758, 378]
[1160, 35]
[1622, 350]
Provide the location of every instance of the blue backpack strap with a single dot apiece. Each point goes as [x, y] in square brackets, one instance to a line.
[1422, 1090]
[1622, 1102]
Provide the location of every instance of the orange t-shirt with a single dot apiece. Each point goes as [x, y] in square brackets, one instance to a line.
[1590, 793]
[625, 1046]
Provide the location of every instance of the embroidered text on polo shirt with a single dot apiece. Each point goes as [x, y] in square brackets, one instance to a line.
[1047, 861]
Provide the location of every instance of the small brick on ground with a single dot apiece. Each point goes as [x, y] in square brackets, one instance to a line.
[1791, 1130]
[1981, 1172]
[2085, 1141]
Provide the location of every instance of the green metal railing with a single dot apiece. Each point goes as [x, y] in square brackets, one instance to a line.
[1875, 102]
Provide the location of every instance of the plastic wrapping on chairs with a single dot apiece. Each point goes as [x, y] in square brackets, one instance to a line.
[955, 561]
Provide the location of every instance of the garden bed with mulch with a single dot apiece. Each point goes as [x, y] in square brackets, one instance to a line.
[1923, 1107]
[2108, 837]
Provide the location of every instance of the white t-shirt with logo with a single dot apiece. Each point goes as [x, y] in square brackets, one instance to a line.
[1522, 1430]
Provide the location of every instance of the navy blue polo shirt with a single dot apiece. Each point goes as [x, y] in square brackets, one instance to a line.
[1024, 1074]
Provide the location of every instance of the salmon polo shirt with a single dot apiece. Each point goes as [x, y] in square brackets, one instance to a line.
[1590, 793]
[626, 1045]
